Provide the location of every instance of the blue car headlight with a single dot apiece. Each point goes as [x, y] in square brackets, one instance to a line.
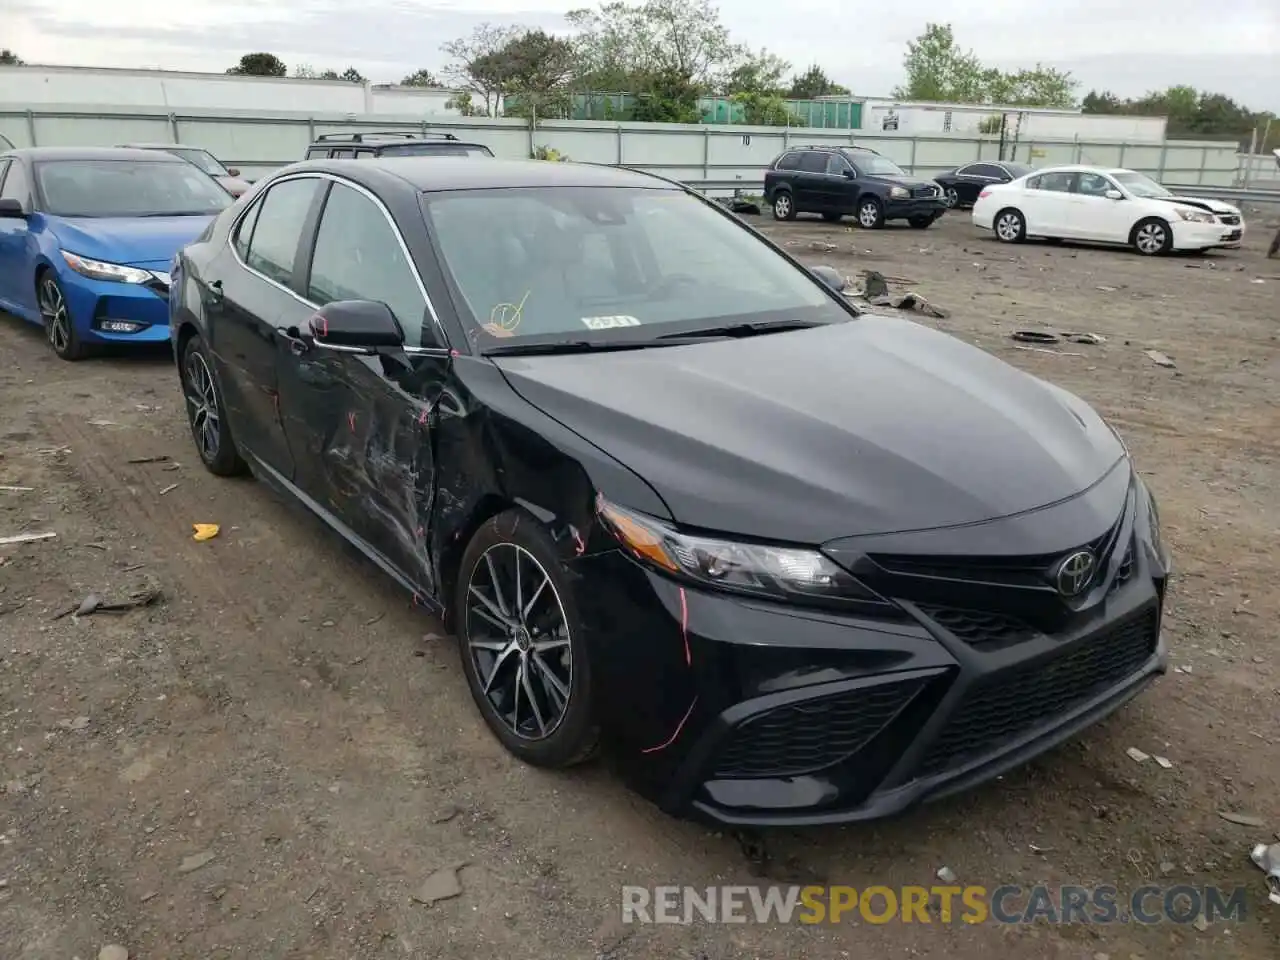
[101, 270]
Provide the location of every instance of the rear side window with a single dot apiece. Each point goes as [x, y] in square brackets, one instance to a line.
[317, 153]
[4, 166]
[813, 162]
[274, 245]
[1052, 182]
[244, 232]
[788, 161]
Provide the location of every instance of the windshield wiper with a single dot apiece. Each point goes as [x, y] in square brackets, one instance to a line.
[745, 329]
[566, 346]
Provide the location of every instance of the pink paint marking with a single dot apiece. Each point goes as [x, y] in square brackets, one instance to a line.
[351, 421]
[419, 532]
[579, 547]
[684, 628]
[454, 353]
[422, 418]
[685, 719]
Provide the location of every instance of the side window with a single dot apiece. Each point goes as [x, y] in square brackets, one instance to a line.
[358, 257]
[811, 161]
[16, 185]
[988, 170]
[343, 154]
[317, 153]
[1052, 182]
[273, 247]
[1093, 184]
[365, 154]
[244, 232]
[4, 166]
[789, 161]
[837, 164]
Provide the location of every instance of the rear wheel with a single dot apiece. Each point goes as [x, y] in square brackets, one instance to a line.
[1152, 237]
[784, 207]
[522, 644]
[59, 329]
[952, 197]
[1010, 227]
[206, 413]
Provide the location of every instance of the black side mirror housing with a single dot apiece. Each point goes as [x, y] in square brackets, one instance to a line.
[849, 174]
[830, 276]
[11, 209]
[357, 324]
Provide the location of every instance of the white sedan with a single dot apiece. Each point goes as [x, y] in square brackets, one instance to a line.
[1106, 206]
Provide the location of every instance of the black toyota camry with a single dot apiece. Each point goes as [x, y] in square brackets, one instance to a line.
[670, 491]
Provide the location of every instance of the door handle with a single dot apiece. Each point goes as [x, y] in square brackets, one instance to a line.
[298, 344]
[215, 291]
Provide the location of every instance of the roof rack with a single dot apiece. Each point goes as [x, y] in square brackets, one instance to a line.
[834, 146]
[381, 135]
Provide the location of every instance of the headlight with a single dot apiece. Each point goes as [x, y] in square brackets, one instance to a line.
[100, 270]
[777, 572]
[1153, 521]
[1196, 216]
[899, 192]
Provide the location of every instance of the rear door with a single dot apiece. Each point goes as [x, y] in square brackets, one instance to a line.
[970, 179]
[1046, 203]
[811, 182]
[259, 296]
[359, 427]
[17, 243]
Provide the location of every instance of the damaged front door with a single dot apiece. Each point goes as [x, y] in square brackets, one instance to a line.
[359, 427]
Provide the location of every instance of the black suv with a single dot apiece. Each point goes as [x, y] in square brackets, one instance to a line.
[367, 144]
[834, 181]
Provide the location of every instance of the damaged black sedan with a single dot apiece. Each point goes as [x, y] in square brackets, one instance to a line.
[669, 490]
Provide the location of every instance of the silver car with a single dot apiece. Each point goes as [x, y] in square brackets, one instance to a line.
[202, 158]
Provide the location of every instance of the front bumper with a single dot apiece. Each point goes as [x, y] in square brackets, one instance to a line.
[905, 209]
[753, 714]
[103, 311]
[1188, 235]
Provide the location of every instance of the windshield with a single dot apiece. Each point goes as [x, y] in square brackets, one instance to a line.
[568, 262]
[871, 164]
[127, 188]
[1141, 185]
[1017, 170]
[434, 150]
[204, 160]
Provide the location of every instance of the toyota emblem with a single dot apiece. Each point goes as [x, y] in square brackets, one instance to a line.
[1075, 573]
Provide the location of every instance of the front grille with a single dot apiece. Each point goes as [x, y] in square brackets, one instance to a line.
[1009, 704]
[813, 734]
[986, 632]
[924, 192]
[1229, 218]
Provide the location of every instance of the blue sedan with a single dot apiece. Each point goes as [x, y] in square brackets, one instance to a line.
[87, 236]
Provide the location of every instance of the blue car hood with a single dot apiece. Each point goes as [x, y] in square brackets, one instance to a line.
[127, 240]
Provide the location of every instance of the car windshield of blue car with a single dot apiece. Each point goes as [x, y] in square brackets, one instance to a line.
[1141, 185]
[871, 165]
[204, 160]
[576, 262]
[127, 188]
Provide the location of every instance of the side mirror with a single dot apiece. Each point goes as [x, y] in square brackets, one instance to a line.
[11, 209]
[232, 172]
[830, 276]
[355, 325]
[1114, 195]
[849, 174]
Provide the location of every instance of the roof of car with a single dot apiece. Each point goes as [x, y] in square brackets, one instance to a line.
[466, 173]
[160, 146]
[93, 153]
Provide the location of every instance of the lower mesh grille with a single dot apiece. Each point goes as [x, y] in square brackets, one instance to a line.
[811, 735]
[1012, 703]
[982, 631]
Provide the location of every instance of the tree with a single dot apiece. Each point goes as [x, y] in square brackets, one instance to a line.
[259, 65]
[756, 83]
[473, 67]
[10, 59]
[534, 70]
[813, 83]
[1190, 113]
[462, 103]
[939, 71]
[351, 75]
[422, 78]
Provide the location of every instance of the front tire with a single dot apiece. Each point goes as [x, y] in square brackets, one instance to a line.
[59, 328]
[870, 213]
[1010, 226]
[1152, 237]
[951, 198]
[522, 646]
[784, 207]
[206, 412]
[920, 223]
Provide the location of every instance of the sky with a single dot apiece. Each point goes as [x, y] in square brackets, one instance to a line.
[1130, 47]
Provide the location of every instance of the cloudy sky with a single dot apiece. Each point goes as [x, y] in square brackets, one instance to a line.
[1128, 47]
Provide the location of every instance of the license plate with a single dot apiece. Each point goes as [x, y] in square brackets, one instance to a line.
[1233, 235]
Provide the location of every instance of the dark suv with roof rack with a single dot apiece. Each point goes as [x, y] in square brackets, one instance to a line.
[836, 180]
[368, 144]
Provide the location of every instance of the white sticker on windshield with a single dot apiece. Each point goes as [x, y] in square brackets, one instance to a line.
[608, 323]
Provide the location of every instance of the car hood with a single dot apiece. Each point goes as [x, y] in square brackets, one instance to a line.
[127, 240]
[874, 425]
[1202, 203]
[901, 181]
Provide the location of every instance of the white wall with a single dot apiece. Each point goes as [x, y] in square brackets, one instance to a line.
[410, 101]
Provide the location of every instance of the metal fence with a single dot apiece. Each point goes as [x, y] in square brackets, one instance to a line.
[259, 142]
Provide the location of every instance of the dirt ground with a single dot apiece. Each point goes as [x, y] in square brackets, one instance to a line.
[270, 760]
